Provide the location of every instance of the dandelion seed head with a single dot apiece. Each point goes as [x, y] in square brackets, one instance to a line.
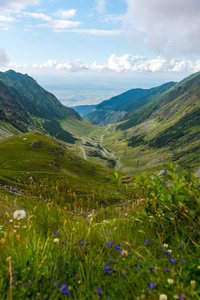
[19, 214]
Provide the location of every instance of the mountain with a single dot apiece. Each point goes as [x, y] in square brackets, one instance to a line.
[114, 109]
[83, 110]
[165, 129]
[25, 106]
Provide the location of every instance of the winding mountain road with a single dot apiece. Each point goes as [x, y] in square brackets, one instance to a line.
[104, 151]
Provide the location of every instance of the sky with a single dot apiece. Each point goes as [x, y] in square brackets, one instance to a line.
[88, 51]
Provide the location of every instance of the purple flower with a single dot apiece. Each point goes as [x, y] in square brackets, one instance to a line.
[146, 241]
[123, 276]
[167, 270]
[181, 247]
[138, 268]
[110, 243]
[56, 283]
[64, 289]
[27, 263]
[81, 244]
[56, 232]
[166, 252]
[181, 297]
[151, 285]
[118, 248]
[107, 269]
[110, 261]
[99, 292]
[172, 261]
[151, 268]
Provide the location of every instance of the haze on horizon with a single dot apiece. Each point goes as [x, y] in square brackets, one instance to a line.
[86, 52]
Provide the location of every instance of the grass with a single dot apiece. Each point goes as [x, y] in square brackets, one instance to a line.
[140, 248]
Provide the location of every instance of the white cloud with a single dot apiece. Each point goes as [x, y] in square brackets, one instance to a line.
[73, 66]
[169, 26]
[16, 6]
[38, 16]
[61, 24]
[94, 32]
[101, 5]
[64, 14]
[4, 18]
[118, 64]
[3, 57]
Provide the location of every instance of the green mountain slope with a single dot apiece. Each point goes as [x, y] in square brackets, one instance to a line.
[116, 108]
[165, 129]
[25, 105]
[34, 156]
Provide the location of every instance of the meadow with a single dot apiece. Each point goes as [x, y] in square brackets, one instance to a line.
[58, 246]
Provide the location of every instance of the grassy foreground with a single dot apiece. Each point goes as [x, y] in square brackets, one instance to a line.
[145, 248]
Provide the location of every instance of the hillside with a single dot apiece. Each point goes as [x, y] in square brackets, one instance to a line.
[114, 109]
[37, 157]
[25, 105]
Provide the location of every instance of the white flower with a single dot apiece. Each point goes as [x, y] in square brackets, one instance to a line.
[11, 221]
[19, 214]
[163, 297]
[165, 245]
[170, 281]
[56, 241]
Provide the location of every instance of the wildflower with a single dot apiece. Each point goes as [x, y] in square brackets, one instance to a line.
[19, 214]
[110, 243]
[107, 269]
[146, 241]
[81, 244]
[56, 283]
[181, 247]
[64, 289]
[170, 281]
[56, 232]
[172, 261]
[165, 245]
[118, 248]
[27, 263]
[11, 221]
[181, 297]
[193, 282]
[123, 276]
[124, 253]
[151, 285]
[99, 292]
[56, 241]
[167, 270]
[163, 297]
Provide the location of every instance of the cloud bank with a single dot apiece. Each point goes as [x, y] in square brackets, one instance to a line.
[118, 64]
[3, 57]
[167, 26]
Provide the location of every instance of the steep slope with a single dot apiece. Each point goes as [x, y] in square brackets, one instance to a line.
[116, 108]
[34, 156]
[165, 129]
[83, 110]
[25, 105]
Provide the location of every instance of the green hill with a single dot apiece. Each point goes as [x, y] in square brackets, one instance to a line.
[37, 157]
[26, 106]
[114, 109]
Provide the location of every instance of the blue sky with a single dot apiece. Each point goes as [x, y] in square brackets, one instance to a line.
[87, 51]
